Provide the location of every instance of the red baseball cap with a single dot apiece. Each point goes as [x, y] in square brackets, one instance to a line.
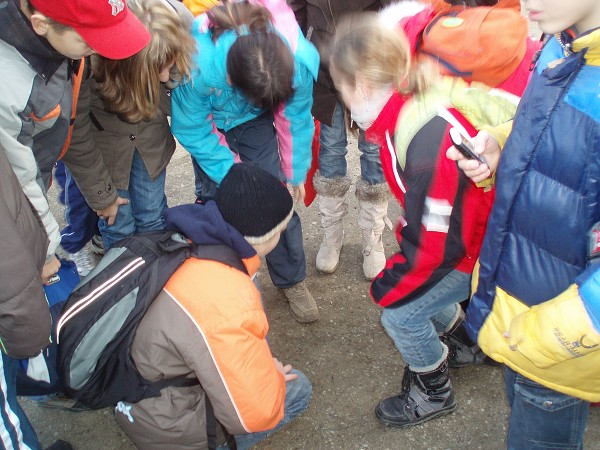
[107, 26]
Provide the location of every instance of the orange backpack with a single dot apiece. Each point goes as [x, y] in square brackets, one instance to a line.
[485, 44]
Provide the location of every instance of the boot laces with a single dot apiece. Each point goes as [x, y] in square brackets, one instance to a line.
[406, 381]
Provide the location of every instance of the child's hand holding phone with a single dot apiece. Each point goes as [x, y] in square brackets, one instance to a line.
[476, 167]
[463, 144]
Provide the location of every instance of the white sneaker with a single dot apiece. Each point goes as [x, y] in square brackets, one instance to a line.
[83, 260]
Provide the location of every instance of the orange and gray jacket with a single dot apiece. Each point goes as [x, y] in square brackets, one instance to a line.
[24, 312]
[208, 322]
[35, 109]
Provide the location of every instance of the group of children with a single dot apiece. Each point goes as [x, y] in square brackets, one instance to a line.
[238, 84]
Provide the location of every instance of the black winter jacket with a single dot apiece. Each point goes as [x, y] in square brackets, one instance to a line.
[318, 19]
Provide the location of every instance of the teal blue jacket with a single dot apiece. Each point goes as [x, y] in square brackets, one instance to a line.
[208, 103]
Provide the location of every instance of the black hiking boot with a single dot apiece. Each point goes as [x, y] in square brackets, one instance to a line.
[462, 351]
[424, 396]
[461, 354]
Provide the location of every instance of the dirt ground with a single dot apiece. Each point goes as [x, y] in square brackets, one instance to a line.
[346, 354]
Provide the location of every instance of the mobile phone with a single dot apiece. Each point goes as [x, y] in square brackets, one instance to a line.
[464, 146]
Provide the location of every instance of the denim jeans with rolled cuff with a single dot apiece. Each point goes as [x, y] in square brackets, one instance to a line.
[415, 326]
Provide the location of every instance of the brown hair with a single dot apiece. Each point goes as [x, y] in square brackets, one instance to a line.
[131, 87]
[259, 62]
[238, 15]
[363, 45]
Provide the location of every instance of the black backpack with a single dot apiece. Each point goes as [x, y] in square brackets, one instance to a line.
[99, 320]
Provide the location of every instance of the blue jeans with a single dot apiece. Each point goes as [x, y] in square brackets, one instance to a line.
[146, 207]
[256, 143]
[297, 396]
[82, 221]
[541, 418]
[15, 428]
[414, 326]
[332, 154]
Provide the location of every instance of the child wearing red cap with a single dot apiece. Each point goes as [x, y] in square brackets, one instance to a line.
[40, 45]
[121, 134]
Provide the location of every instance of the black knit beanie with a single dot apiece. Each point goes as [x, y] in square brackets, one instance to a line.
[254, 202]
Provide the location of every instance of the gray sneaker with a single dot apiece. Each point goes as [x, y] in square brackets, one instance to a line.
[83, 260]
[302, 303]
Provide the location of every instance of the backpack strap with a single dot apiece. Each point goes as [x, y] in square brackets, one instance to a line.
[95, 121]
[211, 425]
[180, 381]
[80, 70]
[211, 428]
[168, 241]
[211, 420]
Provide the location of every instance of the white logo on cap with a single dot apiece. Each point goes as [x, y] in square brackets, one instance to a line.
[117, 6]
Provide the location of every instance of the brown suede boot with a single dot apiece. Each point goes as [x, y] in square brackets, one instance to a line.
[302, 303]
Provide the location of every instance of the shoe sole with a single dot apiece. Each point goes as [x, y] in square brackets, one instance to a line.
[328, 272]
[298, 318]
[301, 320]
[419, 421]
[64, 405]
